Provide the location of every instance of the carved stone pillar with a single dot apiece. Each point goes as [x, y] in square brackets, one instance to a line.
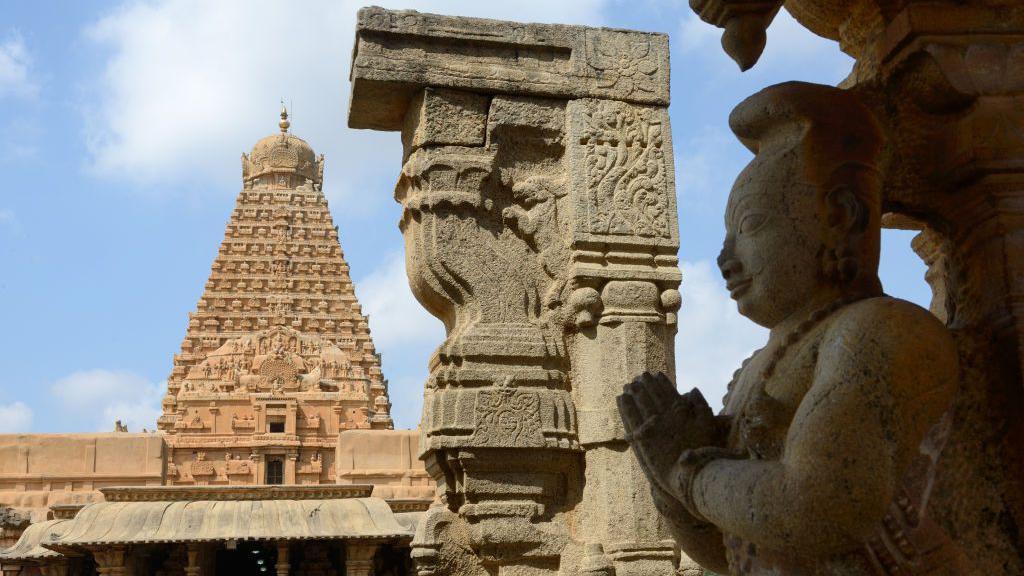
[194, 565]
[290, 465]
[359, 558]
[540, 226]
[282, 567]
[112, 561]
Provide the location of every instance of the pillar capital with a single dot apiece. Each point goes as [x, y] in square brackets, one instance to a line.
[111, 561]
[398, 53]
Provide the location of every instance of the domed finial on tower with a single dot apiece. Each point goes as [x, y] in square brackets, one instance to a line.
[284, 123]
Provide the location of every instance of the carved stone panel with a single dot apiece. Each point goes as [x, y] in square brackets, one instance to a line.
[620, 162]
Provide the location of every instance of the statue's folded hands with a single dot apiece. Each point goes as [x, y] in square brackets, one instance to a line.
[661, 424]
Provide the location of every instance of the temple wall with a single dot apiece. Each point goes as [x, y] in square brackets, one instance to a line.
[38, 471]
[385, 458]
[42, 470]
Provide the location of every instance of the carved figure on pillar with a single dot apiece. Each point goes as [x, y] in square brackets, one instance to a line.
[821, 460]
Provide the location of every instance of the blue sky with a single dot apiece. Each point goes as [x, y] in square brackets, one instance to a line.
[121, 125]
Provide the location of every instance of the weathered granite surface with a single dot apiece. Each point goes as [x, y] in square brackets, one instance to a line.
[540, 226]
[397, 53]
[943, 80]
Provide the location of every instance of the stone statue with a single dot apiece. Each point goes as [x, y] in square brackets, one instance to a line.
[820, 459]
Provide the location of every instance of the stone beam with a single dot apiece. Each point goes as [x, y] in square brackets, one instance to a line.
[399, 52]
[539, 218]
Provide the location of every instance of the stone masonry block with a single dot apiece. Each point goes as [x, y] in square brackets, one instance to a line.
[398, 53]
[439, 117]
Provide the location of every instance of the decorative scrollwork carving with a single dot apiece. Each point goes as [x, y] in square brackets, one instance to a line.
[622, 155]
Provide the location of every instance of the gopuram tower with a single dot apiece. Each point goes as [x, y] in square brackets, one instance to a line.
[277, 358]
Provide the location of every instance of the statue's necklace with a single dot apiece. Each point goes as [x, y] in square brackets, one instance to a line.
[797, 333]
[764, 414]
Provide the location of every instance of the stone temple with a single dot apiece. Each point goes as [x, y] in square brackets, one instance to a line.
[868, 437]
[276, 407]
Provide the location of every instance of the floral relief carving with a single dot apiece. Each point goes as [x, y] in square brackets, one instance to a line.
[625, 62]
[508, 417]
[622, 150]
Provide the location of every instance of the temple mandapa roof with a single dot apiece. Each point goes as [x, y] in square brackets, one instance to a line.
[29, 547]
[110, 523]
[149, 515]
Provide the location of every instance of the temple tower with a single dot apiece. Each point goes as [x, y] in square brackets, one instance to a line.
[277, 358]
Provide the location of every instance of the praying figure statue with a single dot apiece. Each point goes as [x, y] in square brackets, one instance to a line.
[819, 462]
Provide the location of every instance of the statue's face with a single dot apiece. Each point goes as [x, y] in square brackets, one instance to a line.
[770, 258]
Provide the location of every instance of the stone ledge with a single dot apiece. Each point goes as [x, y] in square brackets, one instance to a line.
[255, 492]
[397, 53]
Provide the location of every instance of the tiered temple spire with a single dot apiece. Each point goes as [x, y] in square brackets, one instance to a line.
[277, 335]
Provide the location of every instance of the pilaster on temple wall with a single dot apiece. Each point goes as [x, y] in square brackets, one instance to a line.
[540, 226]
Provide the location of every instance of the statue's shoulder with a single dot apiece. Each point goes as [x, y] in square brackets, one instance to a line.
[892, 320]
[895, 335]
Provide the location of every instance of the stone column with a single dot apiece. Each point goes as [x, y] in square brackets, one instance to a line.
[282, 566]
[540, 226]
[359, 558]
[112, 561]
[625, 304]
[259, 464]
[194, 565]
[55, 568]
[290, 465]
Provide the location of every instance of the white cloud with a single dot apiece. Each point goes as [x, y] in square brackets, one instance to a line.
[713, 338]
[396, 318]
[109, 395]
[15, 417]
[15, 64]
[191, 84]
[7, 217]
[793, 47]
